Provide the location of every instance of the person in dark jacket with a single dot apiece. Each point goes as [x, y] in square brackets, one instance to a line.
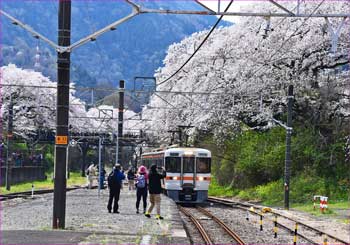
[114, 189]
[155, 188]
[141, 188]
[131, 179]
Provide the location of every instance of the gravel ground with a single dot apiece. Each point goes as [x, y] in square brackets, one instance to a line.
[249, 231]
[214, 230]
[87, 212]
[337, 225]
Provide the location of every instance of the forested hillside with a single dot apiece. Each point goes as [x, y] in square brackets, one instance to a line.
[136, 48]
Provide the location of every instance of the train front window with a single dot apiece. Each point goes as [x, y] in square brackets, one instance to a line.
[173, 164]
[203, 165]
[188, 164]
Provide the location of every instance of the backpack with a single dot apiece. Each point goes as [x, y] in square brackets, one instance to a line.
[141, 182]
[111, 179]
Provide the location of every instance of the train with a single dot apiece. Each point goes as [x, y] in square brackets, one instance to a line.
[188, 172]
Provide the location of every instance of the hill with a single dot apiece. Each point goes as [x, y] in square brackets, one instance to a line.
[136, 48]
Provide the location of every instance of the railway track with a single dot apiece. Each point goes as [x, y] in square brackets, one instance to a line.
[210, 237]
[27, 194]
[311, 234]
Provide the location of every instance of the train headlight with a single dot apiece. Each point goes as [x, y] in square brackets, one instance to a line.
[200, 178]
[175, 178]
[188, 153]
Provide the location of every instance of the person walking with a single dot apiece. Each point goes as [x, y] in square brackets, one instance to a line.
[101, 179]
[141, 188]
[131, 179]
[155, 188]
[115, 179]
[91, 172]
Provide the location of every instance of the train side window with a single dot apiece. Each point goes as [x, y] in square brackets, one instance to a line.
[173, 164]
[203, 165]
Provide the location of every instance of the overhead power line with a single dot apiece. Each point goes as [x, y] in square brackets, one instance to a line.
[198, 48]
[286, 40]
[136, 10]
[129, 91]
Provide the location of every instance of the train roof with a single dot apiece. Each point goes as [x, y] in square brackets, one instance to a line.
[179, 150]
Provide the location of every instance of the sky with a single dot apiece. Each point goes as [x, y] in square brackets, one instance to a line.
[235, 7]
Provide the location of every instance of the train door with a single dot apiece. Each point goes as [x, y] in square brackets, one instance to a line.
[188, 178]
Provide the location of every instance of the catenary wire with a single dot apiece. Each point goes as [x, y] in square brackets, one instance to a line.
[197, 49]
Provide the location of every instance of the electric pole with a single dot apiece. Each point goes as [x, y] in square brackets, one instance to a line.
[173, 135]
[288, 147]
[120, 117]
[181, 130]
[61, 142]
[8, 153]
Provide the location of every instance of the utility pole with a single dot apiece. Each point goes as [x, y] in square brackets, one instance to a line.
[181, 128]
[173, 135]
[61, 142]
[84, 150]
[120, 117]
[288, 147]
[99, 164]
[180, 136]
[9, 136]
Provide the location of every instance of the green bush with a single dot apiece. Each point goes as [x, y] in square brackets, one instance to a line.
[248, 195]
[252, 163]
[49, 158]
[217, 190]
[271, 193]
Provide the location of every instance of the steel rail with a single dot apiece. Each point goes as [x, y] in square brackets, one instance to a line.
[198, 225]
[223, 225]
[245, 206]
[238, 205]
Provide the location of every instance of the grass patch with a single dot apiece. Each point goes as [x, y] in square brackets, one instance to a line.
[217, 190]
[75, 179]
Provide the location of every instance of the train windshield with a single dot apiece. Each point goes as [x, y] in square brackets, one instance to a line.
[188, 164]
[173, 164]
[203, 165]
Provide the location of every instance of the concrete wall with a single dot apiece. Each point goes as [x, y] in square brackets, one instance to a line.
[23, 174]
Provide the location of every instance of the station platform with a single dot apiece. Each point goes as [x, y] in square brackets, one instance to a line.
[88, 221]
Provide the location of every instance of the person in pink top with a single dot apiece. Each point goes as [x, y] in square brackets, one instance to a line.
[141, 188]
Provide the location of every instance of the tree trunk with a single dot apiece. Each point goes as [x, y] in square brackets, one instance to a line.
[84, 150]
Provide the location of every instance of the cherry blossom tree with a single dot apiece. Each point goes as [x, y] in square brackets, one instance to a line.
[250, 67]
[34, 104]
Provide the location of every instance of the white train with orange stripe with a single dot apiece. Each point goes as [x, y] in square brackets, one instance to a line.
[188, 172]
